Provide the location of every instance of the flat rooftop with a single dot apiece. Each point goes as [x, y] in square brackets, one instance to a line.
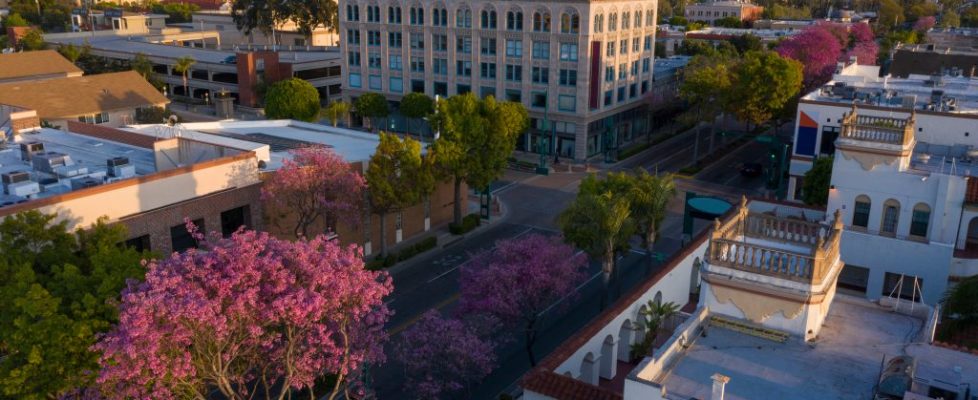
[138, 45]
[863, 85]
[732, 32]
[279, 135]
[844, 363]
[668, 66]
[87, 154]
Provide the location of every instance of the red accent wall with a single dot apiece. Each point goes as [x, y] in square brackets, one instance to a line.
[595, 75]
[248, 74]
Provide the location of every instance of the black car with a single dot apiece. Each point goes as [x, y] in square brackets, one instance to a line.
[751, 169]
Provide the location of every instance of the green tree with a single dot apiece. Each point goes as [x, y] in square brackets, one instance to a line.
[336, 111]
[815, 187]
[890, 14]
[706, 87]
[57, 292]
[960, 306]
[71, 52]
[265, 15]
[650, 196]
[729, 22]
[416, 105]
[763, 83]
[396, 179]
[969, 17]
[477, 136]
[292, 98]
[950, 19]
[372, 106]
[747, 42]
[144, 67]
[32, 40]
[600, 224]
[14, 20]
[182, 67]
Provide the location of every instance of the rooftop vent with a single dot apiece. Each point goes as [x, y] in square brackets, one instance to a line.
[19, 184]
[28, 149]
[119, 167]
[84, 183]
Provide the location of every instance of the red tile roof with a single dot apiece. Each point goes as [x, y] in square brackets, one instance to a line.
[563, 387]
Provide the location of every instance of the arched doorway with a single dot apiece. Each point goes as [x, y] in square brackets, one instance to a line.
[626, 336]
[608, 358]
[587, 369]
[971, 242]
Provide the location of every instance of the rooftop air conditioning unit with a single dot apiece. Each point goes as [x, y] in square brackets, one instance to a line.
[83, 183]
[119, 167]
[28, 149]
[15, 177]
[19, 184]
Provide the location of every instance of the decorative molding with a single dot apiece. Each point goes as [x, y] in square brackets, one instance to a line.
[754, 309]
[869, 160]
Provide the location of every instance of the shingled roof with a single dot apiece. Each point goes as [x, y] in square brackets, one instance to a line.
[35, 65]
[84, 95]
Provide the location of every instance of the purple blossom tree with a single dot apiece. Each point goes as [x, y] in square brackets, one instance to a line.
[817, 49]
[865, 52]
[924, 24]
[247, 315]
[519, 280]
[316, 185]
[861, 33]
[442, 356]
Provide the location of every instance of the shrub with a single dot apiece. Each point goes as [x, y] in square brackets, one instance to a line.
[388, 261]
[469, 222]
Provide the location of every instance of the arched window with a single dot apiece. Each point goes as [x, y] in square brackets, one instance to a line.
[463, 18]
[373, 13]
[352, 12]
[860, 211]
[570, 23]
[638, 19]
[649, 17]
[541, 21]
[417, 15]
[394, 15]
[920, 220]
[514, 21]
[439, 16]
[488, 19]
[612, 22]
[598, 23]
[891, 217]
[626, 19]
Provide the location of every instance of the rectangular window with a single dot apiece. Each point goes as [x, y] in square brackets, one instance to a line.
[375, 82]
[463, 68]
[829, 135]
[417, 86]
[514, 95]
[621, 94]
[394, 40]
[354, 59]
[374, 60]
[487, 91]
[919, 221]
[648, 43]
[645, 65]
[441, 42]
[607, 98]
[487, 46]
[463, 45]
[609, 74]
[140, 244]
[541, 50]
[487, 71]
[440, 66]
[514, 48]
[609, 49]
[417, 64]
[634, 67]
[541, 75]
[441, 88]
[395, 63]
[632, 91]
[396, 85]
[355, 80]
[645, 86]
[890, 217]
[568, 52]
[623, 71]
[568, 77]
[462, 89]
[623, 47]
[514, 73]
[233, 219]
[635, 45]
[352, 36]
[566, 103]
[904, 286]
[373, 38]
[180, 239]
[417, 41]
[538, 100]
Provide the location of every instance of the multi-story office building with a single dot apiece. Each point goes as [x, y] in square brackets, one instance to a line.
[711, 11]
[902, 177]
[584, 66]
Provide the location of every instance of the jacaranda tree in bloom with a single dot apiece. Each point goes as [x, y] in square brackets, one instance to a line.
[315, 186]
[518, 280]
[249, 314]
[817, 49]
[443, 357]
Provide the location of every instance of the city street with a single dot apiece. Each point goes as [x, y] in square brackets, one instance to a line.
[532, 203]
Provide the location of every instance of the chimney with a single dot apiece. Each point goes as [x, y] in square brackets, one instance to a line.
[719, 382]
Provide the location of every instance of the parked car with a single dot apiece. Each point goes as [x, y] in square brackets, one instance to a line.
[232, 59]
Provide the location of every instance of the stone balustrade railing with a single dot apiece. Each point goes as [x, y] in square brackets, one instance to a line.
[877, 129]
[762, 260]
[770, 227]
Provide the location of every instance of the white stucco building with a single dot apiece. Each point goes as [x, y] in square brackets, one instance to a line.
[904, 153]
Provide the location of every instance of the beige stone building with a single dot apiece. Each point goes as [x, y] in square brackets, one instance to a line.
[713, 10]
[584, 66]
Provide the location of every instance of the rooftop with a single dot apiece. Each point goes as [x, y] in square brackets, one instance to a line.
[279, 136]
[89, 94]
[18, 66]
[844, 363]
[860, 84]
[136, 44]
[723, 3]
[768, 34]
[668, 66]
[64, 162]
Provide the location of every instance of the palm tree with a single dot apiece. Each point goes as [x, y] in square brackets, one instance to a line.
[652, 317]
[650, 195]
[182, 67]
[599, 224]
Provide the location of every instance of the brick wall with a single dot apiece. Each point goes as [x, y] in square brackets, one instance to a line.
[20, 124]
[157, 223]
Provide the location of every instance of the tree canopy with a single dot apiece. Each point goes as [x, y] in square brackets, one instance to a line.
[416, 105]
[600, 224]
[477, 136]
[265, 15]
[292, 98]
[336, 111]
[443, 357]
[815, 187]
[396, 178]
[57, 293]
[764, 83]
[372, 106]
